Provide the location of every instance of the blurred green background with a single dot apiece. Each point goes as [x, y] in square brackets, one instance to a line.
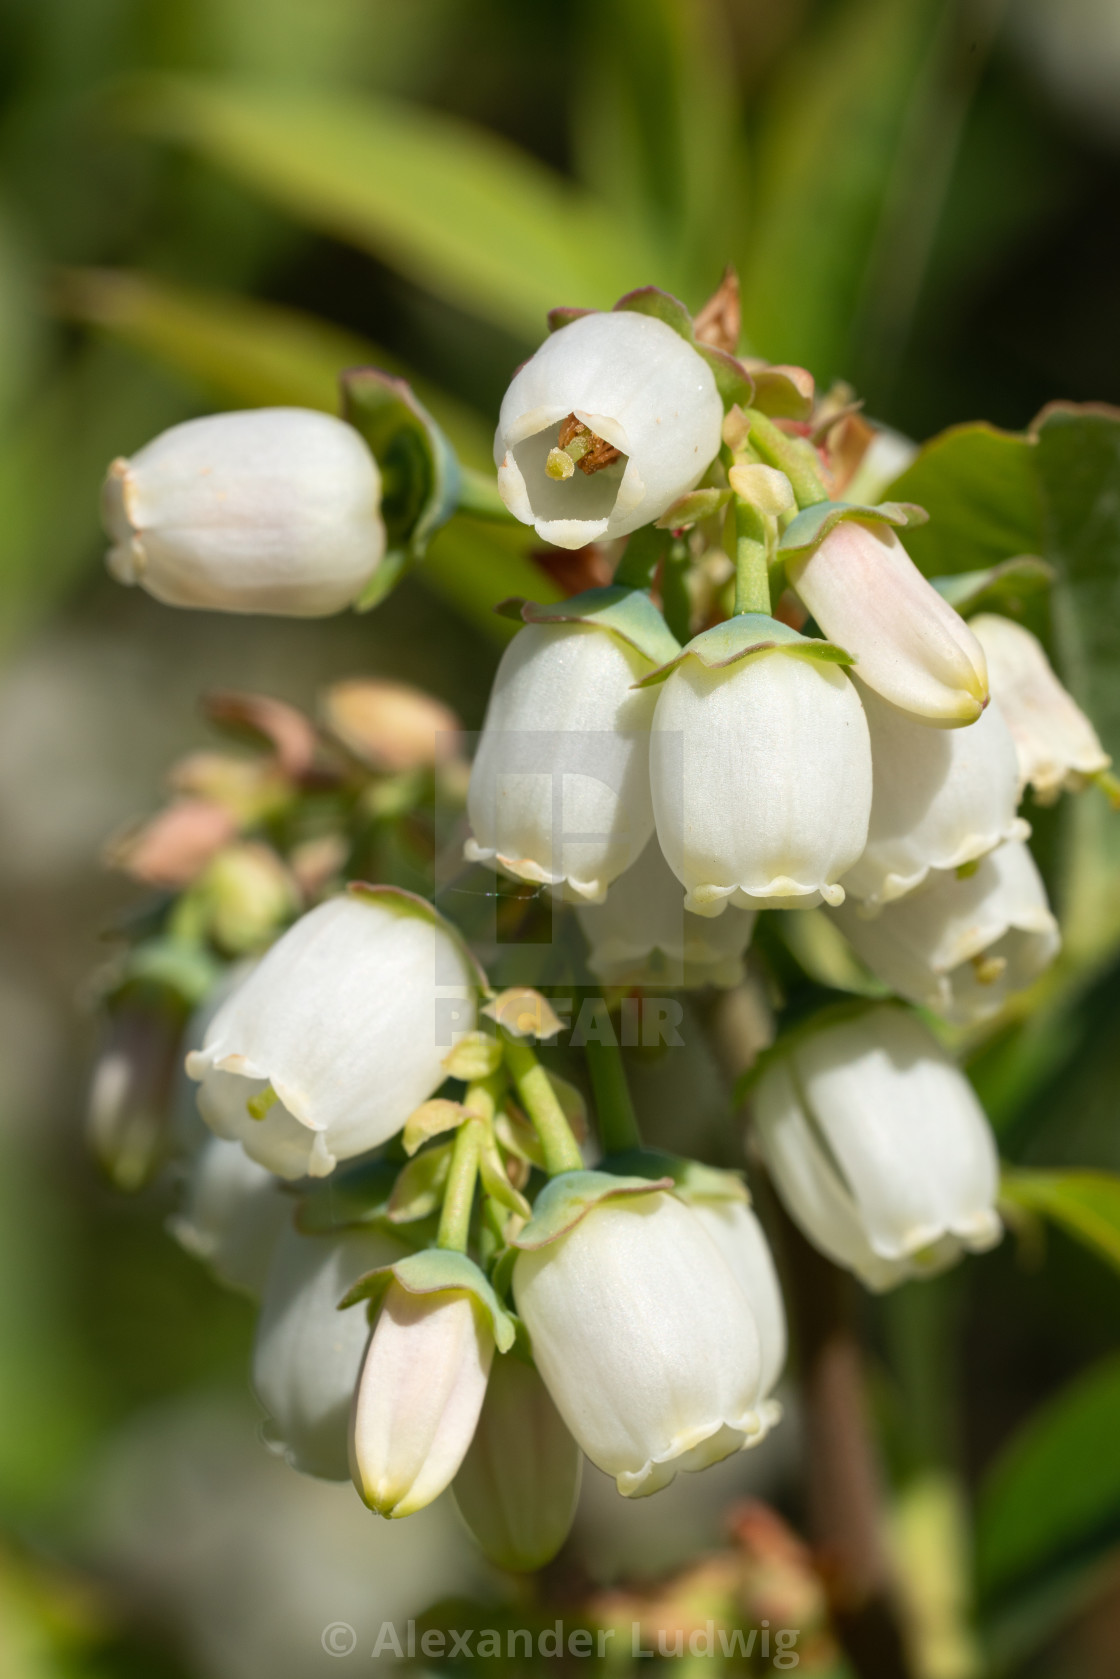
[210, 203]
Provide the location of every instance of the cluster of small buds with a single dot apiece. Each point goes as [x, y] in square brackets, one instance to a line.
[462, 1302]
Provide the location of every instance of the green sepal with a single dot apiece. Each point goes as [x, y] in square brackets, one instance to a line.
[411, 903]
[689, 509]
[419, 468]
[352, 1196]
[565, 315]
[628, 613]
[692, 1180]
[741, 637]
[420, 1185]
[395, 565]
[435, 1271]
[733, 382]
[999, 588]
[809, 529]
[780, 394]
[570, 1196]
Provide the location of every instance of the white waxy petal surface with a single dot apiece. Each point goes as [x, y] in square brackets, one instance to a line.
[1057, 745]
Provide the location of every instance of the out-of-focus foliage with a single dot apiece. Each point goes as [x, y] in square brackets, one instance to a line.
[223, 202]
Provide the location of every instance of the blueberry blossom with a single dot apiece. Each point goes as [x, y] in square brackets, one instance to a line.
[878, 1147]
[612, 419]
[273, 510]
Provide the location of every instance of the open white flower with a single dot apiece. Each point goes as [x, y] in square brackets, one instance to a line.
[559, 790]
[961, 947]
[1057, 745]
[643, 935]
[307, 1354]
[645, 1340]
[644, 418]
[911, 646]
[233, 1215]
[761, 776]
[274, 510]
[940, 798]
[518, 1486]
[419, 1396]
[878, 1147]
[337, 1034]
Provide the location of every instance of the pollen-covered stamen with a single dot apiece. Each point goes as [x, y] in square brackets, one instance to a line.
[578, 445]
[988, 969]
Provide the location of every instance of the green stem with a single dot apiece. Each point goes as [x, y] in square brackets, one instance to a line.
[561, 1151]
[752, 575]
[458, 1200]
[643, 554]
[618, 1123]
[479, 498]
[791, 455]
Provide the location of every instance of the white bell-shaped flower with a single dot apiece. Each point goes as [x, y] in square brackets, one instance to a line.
[307, 1354]
[637, 409]
[559, 790]
[1057, 745]
[419, 1396]
[940, 798]
[761, 776]
[645, 1340]
[233, 1214]
[337, 1034]
[643, 935]
[878, 1147]
[961, 946]
[736, 1232]
[518, 1486]
[911, 646]
[274, 510]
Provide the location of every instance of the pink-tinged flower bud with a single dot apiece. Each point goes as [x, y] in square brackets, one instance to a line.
[878, 1147]
[559, 790]
[940, 798]
[643, 935]
[307, 1354]
[273, 510]
[337, 1034]
[761, 775]
[612, 419]
[645, 1339]
[518, 1486]
[910, 645]
[1057, 746]
[961, 947]
[418, 1398]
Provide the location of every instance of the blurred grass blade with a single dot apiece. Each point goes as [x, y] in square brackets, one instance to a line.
[247, 353]
[454, 208]
[472, 566]
[1049, 1510]
[978, 486]
[657, 131]
[1086, 1204]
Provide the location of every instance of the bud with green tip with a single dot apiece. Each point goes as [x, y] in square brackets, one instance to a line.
[518, 1485]
[878, 1147]
[273, 510]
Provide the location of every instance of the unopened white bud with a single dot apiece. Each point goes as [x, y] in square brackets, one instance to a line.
[1057, 746]
[307, 1354]
[941, 798]
[761, 775]
[643, 935]
[878, 1147]
[962, 946]
[564, 751]
[336, 1035]
[272, 510]
[910, 645]
[418, 1399]
[736, 1232]
[644, 414]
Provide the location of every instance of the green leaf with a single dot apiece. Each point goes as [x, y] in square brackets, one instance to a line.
[1002, 588]
[1086, 1204]
[979, 488]
[1055, 1490]
[472, 566]
[451, 206]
